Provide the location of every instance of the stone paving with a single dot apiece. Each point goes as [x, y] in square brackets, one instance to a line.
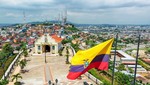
[39, 73]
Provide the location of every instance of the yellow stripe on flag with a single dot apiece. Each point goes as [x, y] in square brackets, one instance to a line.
[89, 54]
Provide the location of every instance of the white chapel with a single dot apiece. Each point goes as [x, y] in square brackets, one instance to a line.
[48, 43]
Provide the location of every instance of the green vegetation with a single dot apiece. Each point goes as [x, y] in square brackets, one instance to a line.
[75, 46]
[6, 57]
[25, 52]
[6, 65]
[67, 55]
[60, 51]
[118, 48]
[121, 67]
[23, 46]
[131, 70]
[70, 30]
[123, 79]
[147, 51]
[22, 63]
[16, 77]
[64, 41]
[148, 63]
[110, 65]
[73, 29]
[90, 42]
[4, 82]
[7, 50]
[103, 78]
[75, 36]
[143, 64]
[106, 77]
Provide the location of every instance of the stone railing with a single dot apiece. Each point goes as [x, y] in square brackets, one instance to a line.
[97, 81]
[9, 69]
[73, 51]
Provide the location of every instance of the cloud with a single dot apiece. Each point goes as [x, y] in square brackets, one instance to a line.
[85, 10]
[12, 15]
[73, 4]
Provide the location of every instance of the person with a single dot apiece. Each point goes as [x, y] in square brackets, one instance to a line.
[56, 80]
[49, 82]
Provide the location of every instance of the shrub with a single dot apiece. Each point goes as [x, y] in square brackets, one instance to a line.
[39, 52]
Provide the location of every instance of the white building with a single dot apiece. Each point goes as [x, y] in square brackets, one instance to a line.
[48, 43]
[127, 60]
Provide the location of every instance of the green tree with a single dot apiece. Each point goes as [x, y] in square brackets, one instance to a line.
[25, 52]
[121, 67]
[67, 55]
[75, 46]
[16, 77]
[4, 82]
[147, 51]
[65, 41]
[23, 46]
[110, 65]
[18, 48]
[131, 70]
[123, 79]
[22, 63]
[2, 55]
[7, 49]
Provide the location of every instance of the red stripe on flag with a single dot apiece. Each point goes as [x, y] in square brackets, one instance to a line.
[98, 65]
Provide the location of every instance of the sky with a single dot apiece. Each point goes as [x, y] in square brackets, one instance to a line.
[78, 11]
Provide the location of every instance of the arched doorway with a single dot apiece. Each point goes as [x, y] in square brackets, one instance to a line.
[47, 48]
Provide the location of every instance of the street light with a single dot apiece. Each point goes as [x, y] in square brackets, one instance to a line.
[45, 46]
[45, 54]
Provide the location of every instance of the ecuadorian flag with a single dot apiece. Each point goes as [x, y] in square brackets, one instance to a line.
[95, 57]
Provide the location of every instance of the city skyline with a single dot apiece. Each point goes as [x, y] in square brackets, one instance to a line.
[78, 11]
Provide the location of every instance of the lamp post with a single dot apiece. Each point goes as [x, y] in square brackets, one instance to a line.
[45, 47]
[137, 55]
[114, 63]
[45, 54]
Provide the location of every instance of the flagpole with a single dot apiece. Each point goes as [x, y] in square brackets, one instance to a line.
[134, 82]
[114, 59]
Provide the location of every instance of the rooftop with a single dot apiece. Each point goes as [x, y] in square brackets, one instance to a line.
[57, 39]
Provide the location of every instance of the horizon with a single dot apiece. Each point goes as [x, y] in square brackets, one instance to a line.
[70, 22]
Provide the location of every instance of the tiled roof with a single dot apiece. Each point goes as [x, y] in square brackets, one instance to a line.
[56, 38]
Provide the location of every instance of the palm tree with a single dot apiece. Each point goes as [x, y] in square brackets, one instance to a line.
[25, 52]
[16, 77]
[22, 63]
[67, 55]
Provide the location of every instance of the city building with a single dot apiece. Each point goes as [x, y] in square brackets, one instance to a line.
[127, 60]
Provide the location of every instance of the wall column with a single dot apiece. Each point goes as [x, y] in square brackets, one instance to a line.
[36, 49]
[41, 49]
[56, 49]
[50, 47]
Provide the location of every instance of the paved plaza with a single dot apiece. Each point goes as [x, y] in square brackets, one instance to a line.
[39, 73]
